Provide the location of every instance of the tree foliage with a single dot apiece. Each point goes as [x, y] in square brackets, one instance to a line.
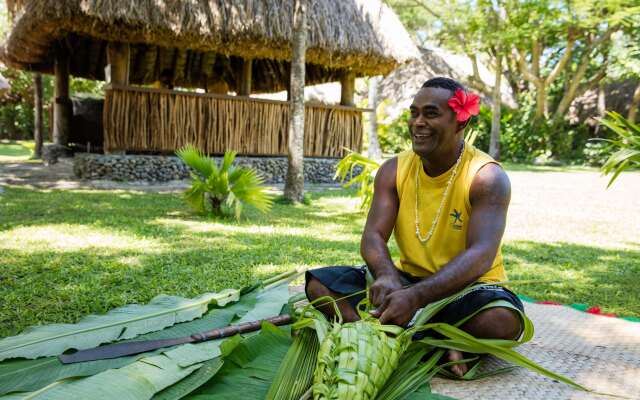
[555, 50]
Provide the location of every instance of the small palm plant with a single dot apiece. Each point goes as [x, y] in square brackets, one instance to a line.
[227, 189]
[347, 174]
[626, 145]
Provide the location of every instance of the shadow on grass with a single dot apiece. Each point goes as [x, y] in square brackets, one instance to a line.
[585, 274]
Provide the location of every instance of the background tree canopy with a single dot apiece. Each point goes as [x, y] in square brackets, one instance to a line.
[551, 52]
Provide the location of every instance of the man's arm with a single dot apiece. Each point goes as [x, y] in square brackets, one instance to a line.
[377, 230]
[490, 194]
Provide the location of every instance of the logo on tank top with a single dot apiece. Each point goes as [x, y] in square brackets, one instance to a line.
[456, 217]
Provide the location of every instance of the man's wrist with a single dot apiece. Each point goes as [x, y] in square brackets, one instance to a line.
[421, 293]
[386, 272]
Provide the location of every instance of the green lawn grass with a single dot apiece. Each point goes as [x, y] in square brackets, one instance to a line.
[15, 151]
[65, 254]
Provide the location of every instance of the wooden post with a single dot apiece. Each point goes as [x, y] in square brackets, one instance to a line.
[348, 86]
[118, 63]
[117, 72]
[245, 82]
[294, 185]
[62, 103]
[39, 122]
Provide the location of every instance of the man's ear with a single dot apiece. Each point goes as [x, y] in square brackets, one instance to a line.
[462, 125]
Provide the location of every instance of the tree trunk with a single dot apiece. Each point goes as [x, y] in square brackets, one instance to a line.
[374, 145]
[541, 102]
[294, 186]
[39, 122]
[635, 104]
[602, 106]
[571, 93]
[494, 145]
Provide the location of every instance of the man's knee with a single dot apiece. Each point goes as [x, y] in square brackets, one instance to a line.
[495, 323]
[315, 289]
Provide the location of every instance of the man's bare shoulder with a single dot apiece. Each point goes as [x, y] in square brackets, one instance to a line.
[490, 184]
[386, 175]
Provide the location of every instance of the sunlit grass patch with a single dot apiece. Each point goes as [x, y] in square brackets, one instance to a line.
[72, 237]
[15, 151]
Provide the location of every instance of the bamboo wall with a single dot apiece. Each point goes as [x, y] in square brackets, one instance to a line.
[141, 119]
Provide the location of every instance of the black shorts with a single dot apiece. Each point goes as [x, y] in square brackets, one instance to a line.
[347, 280]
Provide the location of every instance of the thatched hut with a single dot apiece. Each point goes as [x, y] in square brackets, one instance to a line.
[219, 46]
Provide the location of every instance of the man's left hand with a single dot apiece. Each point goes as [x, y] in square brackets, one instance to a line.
[398, 307]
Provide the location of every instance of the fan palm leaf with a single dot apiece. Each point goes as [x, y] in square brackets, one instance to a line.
[197, 161]
[228, 188]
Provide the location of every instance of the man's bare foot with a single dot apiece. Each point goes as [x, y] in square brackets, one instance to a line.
[458, 369]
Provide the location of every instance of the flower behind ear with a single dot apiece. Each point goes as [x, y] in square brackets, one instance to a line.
[464, 104]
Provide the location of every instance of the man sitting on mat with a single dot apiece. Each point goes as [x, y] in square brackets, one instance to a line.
[446, 203]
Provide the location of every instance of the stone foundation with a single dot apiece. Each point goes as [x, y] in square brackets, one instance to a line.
[167, 168]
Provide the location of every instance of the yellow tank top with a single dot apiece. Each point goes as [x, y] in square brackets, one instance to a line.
[449, 236]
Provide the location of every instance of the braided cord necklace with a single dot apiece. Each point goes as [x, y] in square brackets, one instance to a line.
[424, 240]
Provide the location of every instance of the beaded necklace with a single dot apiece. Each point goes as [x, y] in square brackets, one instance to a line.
[444, 197]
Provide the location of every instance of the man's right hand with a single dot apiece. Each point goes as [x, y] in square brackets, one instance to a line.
[381, 287]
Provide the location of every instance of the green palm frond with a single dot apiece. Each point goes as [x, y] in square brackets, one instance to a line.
[246, 188]
[197, 161]
[228, 188]
[227, 160]
[194, 196]
[627, 145]
[345, 172]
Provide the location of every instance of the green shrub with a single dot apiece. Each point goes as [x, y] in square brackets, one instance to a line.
[222, 190]
[394, 137]
[520, 139]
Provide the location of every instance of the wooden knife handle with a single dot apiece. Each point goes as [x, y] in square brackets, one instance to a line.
[240, 328]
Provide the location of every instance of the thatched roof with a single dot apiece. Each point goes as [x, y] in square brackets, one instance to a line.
[401, 86]
[207, 37]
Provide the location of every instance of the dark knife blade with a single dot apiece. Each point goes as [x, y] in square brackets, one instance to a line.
[116, 350]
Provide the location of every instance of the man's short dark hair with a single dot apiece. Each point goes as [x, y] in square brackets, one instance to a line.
[444, 83]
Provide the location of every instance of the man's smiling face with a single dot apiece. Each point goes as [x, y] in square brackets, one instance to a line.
[432, 123]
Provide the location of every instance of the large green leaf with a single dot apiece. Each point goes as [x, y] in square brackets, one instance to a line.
[122, 323]
[249, 369]
[192, 382]
[137, 381]
[29, 375]
[196, 160]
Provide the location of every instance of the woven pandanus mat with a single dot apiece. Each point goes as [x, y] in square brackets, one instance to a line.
[598, 352]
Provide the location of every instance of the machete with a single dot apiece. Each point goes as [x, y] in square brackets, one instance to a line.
[116, 350]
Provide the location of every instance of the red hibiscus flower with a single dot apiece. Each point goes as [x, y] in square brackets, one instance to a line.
[464, 104]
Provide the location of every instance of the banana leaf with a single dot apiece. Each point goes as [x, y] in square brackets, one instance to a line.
[122, 323]
[248, 371]
[30, 375]
[192, 382]
[169, 367]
